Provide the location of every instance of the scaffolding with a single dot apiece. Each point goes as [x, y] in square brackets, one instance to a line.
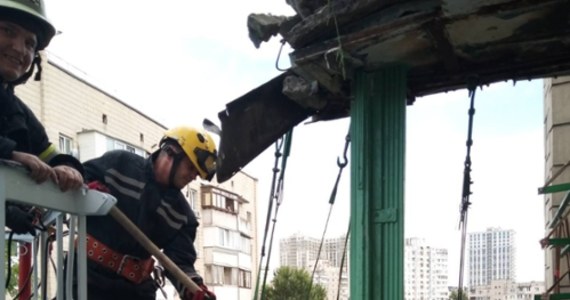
[558, 239]
[17, 187]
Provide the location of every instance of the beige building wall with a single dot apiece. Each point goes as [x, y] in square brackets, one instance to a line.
[68, 104]
[245, 185]
[229, 236]
[557, 154]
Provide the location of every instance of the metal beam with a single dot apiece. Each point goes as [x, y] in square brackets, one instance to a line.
[377, 185]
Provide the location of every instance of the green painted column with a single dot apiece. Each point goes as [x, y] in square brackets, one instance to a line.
[377, 185]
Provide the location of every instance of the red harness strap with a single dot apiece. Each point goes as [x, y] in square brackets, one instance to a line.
[130, 267]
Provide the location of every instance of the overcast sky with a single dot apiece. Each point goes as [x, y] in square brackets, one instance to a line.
[181, 61]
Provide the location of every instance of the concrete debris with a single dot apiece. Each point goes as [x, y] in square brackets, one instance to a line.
[303, 92]
[305, 8]
[262, 27]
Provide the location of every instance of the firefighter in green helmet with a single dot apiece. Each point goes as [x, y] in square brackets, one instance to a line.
[24, 31]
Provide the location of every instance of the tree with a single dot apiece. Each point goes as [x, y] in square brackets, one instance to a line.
[293, 284]
[454, 295]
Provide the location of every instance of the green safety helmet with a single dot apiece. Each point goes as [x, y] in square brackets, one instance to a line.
[198, 146]
[31, 15]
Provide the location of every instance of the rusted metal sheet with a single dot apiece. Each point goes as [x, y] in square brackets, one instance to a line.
[253, 122]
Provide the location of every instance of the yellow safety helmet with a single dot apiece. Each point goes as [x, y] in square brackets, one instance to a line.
[31, 15]
[198, 146]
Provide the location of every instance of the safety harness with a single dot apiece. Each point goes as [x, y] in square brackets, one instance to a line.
[130, 267]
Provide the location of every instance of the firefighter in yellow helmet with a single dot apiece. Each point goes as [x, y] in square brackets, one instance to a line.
[198, 146]
[24, 30]
[148, 192]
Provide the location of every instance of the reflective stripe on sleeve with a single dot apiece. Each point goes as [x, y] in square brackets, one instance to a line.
[49, 153]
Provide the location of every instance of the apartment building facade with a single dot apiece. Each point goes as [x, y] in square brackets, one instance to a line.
[86, 121]
[491, 256]
[229, 236]
[507, 289]
[425, 271]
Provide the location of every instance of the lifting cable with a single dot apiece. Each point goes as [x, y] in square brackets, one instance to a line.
[9, 259]
[341, 165]
[466, 189]
[275, 194]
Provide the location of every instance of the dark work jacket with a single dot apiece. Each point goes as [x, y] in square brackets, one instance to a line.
[21, 131]
[164, 215]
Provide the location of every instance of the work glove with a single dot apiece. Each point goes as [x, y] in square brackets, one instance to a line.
[20, 221]
[203, 294]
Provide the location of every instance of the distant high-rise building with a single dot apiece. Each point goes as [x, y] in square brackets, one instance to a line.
[491, 256]
[298, 250]
[301, 252]
[425, 271]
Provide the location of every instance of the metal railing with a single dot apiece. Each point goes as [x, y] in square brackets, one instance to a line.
[17, 187]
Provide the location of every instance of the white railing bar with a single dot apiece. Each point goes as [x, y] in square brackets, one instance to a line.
[2, 233]
[42, 267]
[59, 245]
[82, 258]
[70, 259]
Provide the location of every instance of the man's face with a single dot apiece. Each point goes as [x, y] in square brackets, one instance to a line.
[185, 174]
[17, 49]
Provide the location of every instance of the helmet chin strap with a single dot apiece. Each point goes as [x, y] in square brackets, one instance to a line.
[37, 62]
[176, 158]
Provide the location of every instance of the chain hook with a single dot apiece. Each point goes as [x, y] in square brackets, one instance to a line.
[283, 41]
[343, 163]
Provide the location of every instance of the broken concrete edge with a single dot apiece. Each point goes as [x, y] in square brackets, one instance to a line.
[262, 27]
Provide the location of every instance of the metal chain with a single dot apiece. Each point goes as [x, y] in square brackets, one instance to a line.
[276, 195]
[466, 190]
[341, 165]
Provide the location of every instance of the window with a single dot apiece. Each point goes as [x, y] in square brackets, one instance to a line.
[130, 148]
[219, 275]
[225, 203]
[245, 244]
[230, 205]
[113, 144]
[219, 200]
[192, 196]
[227, 238]
[214, 274]
[65, 144]
[230, 276]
